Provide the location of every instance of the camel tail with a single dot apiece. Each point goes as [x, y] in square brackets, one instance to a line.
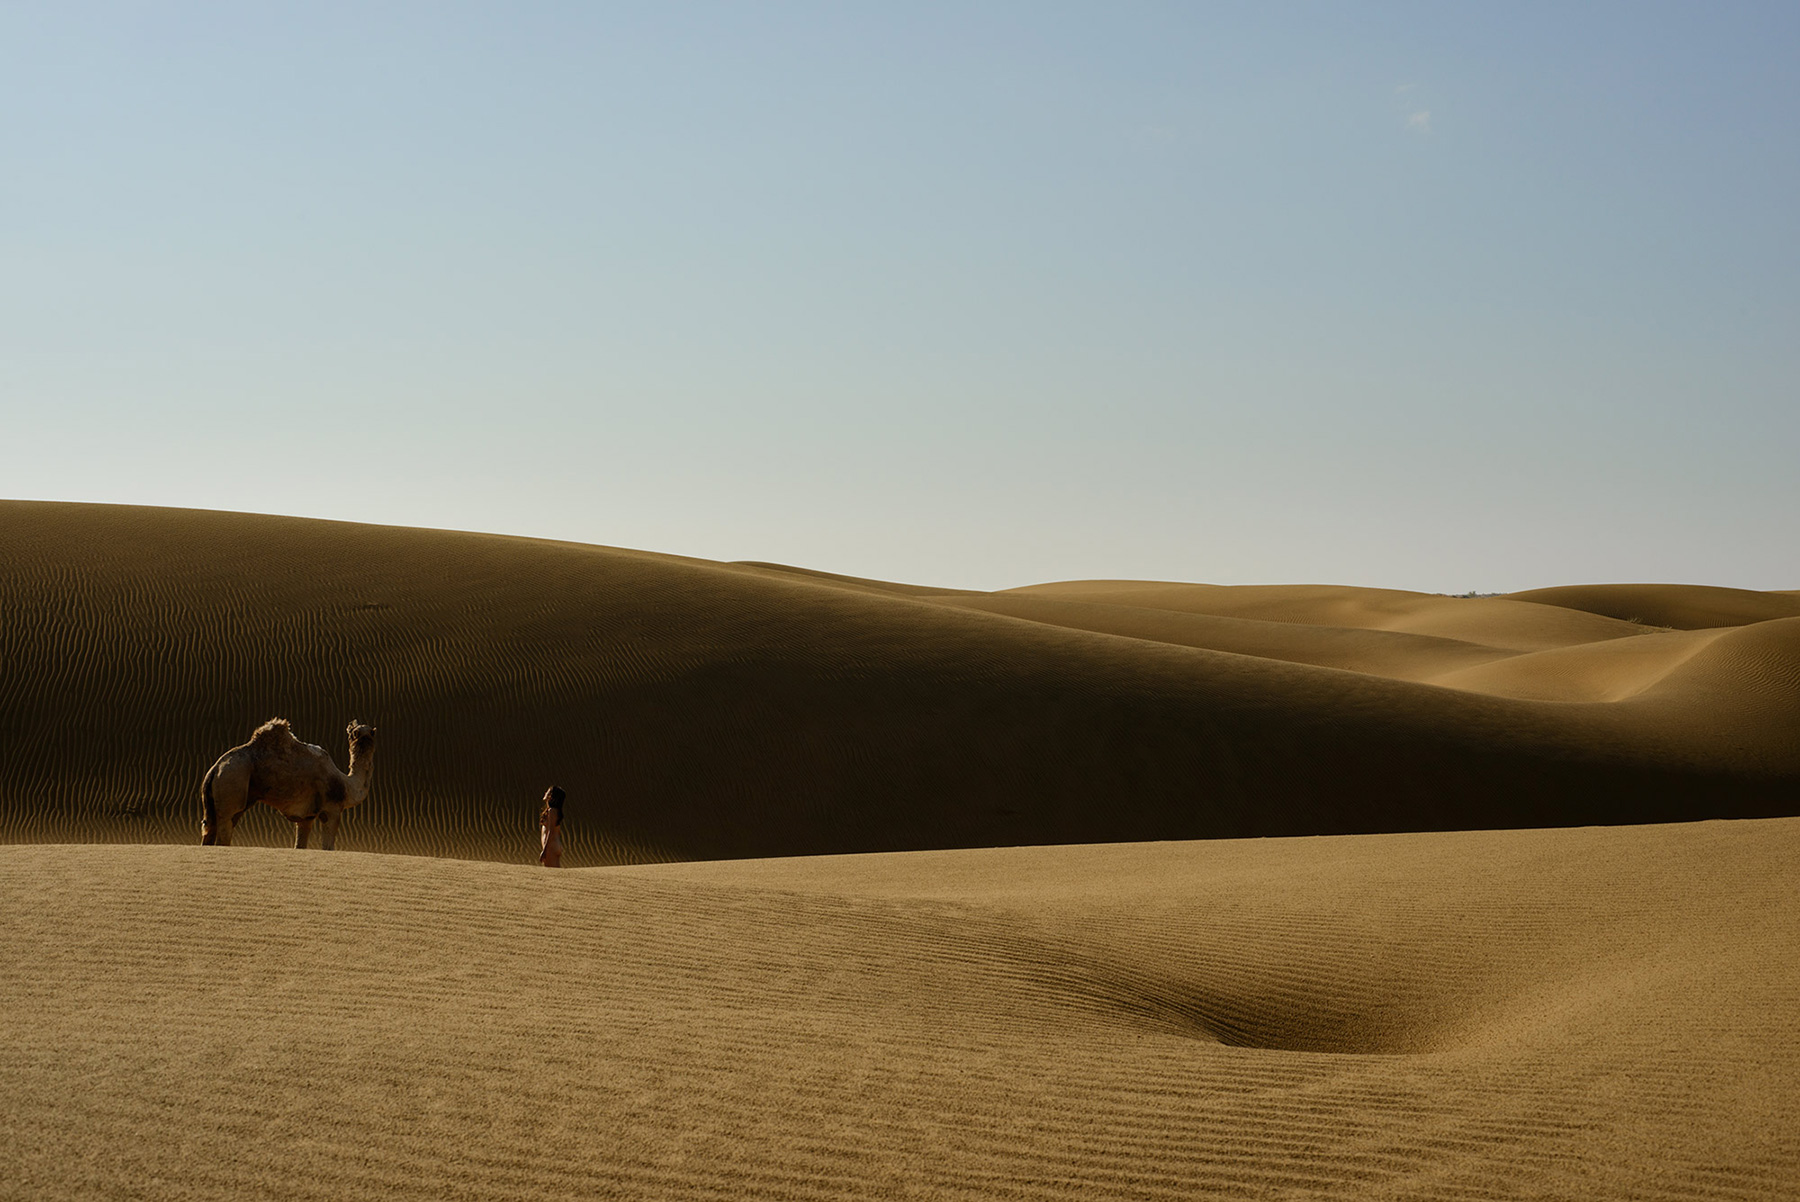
[209, 813]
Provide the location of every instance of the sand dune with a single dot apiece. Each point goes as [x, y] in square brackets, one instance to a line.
[1454, 1012]
[853, 583]
[1598, 1013]
[1605, 671]
[700, 710]
[1485, 621]
[1394, 654]
[1679, 606]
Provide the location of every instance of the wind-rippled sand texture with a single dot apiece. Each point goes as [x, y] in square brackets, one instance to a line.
[700, 710]
[1575, 1013]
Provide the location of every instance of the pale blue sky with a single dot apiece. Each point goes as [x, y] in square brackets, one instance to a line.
[1436, 296]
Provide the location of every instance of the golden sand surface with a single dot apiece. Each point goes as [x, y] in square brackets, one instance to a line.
[698, 710]
[1007, 937]
[1576, 1013]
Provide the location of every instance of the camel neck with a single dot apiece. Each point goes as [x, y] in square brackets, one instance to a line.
[362, 770]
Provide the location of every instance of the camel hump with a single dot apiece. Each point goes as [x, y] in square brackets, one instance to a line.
[271, 734]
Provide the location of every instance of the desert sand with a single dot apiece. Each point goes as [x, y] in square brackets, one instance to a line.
[700, 710]
[1602, 1012]
[1083, 889]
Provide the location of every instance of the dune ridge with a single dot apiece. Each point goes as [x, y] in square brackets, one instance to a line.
[703, 710]
[1555, 1013]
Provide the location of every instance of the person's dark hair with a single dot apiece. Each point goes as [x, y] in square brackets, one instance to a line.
[555, 799]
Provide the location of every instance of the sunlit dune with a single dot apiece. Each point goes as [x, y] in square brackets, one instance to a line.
[1485, 621]
[1574, 1013]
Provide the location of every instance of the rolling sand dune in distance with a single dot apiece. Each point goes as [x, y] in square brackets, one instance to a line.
[1576, 1013]
[1485, 621]
[1680, 607]
[702, 710]
[1394, 654]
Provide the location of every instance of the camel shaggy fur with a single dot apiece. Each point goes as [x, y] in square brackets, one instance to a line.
[295, 778]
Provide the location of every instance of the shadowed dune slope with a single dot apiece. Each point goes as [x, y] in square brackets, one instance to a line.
[703, 710]
[1577, 1013]
[1679, 606]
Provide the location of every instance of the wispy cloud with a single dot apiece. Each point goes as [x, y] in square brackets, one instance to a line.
[1410, 101]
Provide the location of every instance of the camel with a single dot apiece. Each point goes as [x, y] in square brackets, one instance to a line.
[295, 778]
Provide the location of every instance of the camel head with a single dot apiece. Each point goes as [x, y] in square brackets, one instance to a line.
[362, 739]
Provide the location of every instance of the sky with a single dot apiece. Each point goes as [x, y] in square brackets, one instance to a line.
[1443, 297]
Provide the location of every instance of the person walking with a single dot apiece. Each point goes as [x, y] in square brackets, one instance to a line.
[551, 820]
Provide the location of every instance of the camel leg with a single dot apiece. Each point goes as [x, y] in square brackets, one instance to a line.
[220, 832]
[224, 796]
[328, 828]
[302, 832]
